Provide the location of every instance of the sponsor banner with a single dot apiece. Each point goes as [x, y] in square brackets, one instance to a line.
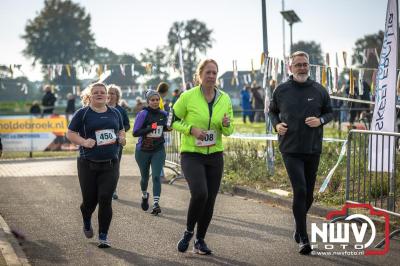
[33, 133]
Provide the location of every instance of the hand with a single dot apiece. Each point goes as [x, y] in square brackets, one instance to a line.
[88, 143]
[122, 138]
[198, 133]
[226, 121]
[281, 128]
[154, 125]
[313, 121]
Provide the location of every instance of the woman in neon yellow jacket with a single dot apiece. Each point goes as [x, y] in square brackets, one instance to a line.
[203, 114]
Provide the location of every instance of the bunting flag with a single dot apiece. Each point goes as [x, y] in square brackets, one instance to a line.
[122, 67]
[24, 88]
[327, 61]
[323, 79]
[262, 58]
[330, 79]
[99, 70]
[345, 58]
[149, 68]
[68, 70]
[235, 78]
[249, 78]
[59, 69]
[337, 60]
[252, 69]
[11, 71]
[49, 72]
[351, 81]
[376, 54]
[398, 84]
[318, 74]
[360, 82]
[373, 82]
[276, 68]
[221, 83]
[336, 81]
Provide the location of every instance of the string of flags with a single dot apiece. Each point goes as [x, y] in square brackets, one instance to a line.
[270, 67]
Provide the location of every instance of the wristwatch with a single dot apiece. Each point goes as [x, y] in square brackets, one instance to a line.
[321, 120]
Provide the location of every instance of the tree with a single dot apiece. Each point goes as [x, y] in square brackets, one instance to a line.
[196, 39]
[158, 61]
[313, 49]
[60, 34]
[371, 41]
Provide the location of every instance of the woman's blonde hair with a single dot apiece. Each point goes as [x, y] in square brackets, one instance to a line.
[87, 92]
[200, 68]
[117, 91]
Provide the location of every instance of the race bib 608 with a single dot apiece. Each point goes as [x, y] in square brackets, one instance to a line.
[209, 140]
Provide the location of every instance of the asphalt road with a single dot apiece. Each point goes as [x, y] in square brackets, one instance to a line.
[42, 202]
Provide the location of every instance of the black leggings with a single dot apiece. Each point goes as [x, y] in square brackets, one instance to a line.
[302, 170]
[203, 174]
[98, 182]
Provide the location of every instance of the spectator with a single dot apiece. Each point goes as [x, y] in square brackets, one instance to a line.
[35, 108]
[139, 105]
[246, 103]
[70, 110]
[48, 100]
[175, 96]
[258, 102]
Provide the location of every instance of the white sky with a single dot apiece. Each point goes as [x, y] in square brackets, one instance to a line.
[130, 26]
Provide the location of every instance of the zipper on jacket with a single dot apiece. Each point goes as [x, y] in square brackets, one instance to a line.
[210, 114]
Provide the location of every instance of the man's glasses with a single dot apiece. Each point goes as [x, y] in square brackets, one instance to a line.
[298, 65]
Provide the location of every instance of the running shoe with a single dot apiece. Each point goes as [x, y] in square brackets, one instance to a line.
[200, 247]
[156, 209]
[145, 202]
[183, 244]
[103, 242]
[115, 195]
[88, 229]
[304, 246]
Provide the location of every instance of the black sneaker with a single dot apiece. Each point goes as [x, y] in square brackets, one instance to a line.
[296, 237]
[304, 245]
[103, 242]
[183, 244]
[156, 209]
[200, 247]
[145, 203]
[87, 228]
[115, 195]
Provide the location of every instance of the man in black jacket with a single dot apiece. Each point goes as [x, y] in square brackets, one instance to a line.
[48, 100]
[298, 110]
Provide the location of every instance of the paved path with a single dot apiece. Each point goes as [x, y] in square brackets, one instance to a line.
[40, 199]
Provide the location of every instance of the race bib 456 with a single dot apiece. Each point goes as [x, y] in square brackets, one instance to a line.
[105, 137]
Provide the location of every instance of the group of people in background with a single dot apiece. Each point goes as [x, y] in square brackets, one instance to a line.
[252, 101]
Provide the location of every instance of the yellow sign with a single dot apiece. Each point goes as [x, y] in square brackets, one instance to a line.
[33, 125]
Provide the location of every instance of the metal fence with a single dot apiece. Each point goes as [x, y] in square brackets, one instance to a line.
[173, 157]
[373, 172]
